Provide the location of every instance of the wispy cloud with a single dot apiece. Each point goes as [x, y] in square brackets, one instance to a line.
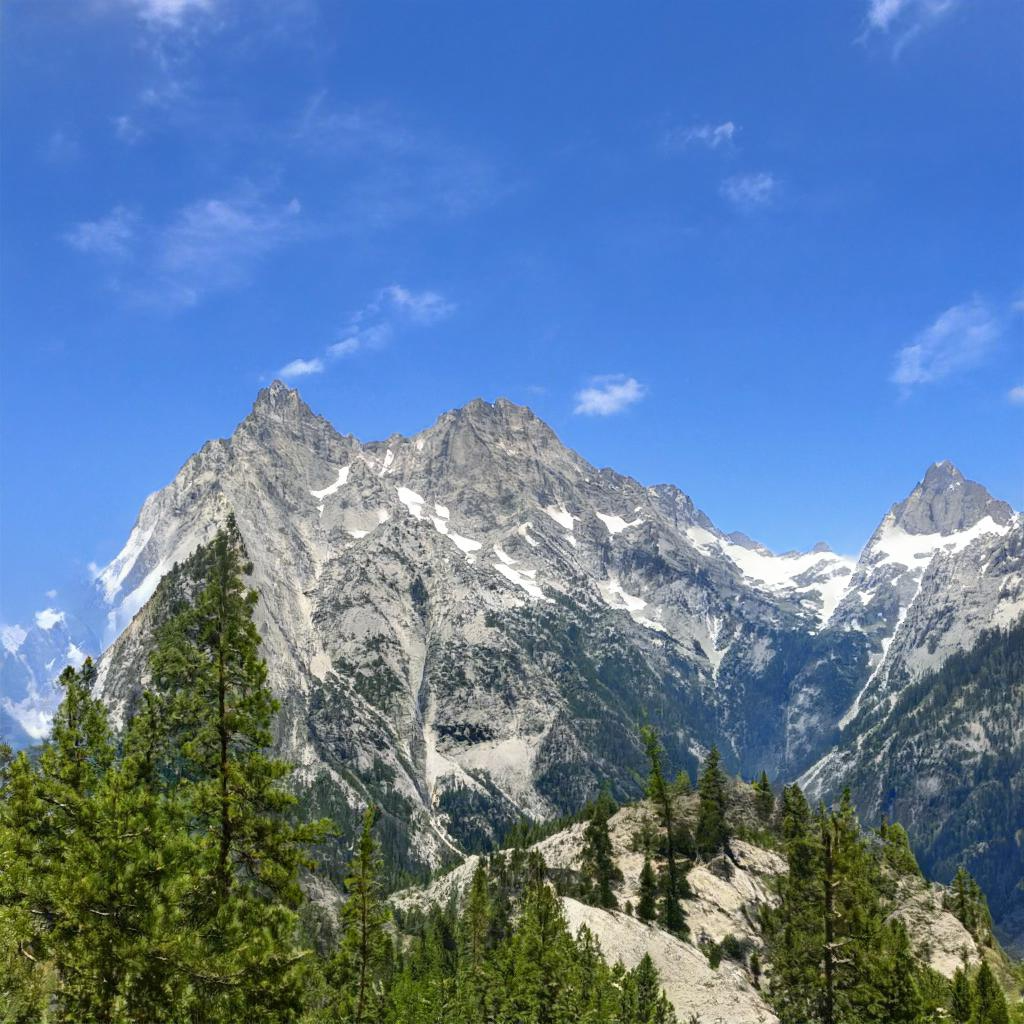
[168, 13]
[749, 191]
[421, 307]
[111, 236]
[127, 130]
[713, 136]
[608, 394]
[301, 368]
[901, 20]
[1016, 395]
[372, 326]
[206, 246]
[959, 338]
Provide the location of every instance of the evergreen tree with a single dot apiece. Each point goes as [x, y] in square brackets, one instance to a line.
[647, 906]
[900, 1001]
[989, 1002]
[794, 930]
[598, 868]
[358, 971]
[896, 851]
[712, 835]
[214, 709]
[673, 882]
[764, 799]
[474, 933]
[961, 1007]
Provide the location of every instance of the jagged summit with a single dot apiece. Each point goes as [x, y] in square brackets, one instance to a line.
[945, 502]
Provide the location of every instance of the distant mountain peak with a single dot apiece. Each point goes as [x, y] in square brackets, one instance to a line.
[945, 502]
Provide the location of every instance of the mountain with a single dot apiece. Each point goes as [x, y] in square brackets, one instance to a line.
[30, 659]
[466, 625]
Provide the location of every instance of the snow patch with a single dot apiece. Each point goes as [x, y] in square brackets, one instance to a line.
[331, 488]
[522, 533]
[616, 524]
[521, 580]
[799, 573]
[615, 597]
[412, 501]
[114, 575]
[898, 547]
[560, 516]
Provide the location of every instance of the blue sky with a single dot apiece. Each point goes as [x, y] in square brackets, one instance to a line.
[768, 252]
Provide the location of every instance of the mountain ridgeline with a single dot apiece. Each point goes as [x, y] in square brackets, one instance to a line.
[465, 627]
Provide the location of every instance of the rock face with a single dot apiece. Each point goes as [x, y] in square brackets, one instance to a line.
[466, 625]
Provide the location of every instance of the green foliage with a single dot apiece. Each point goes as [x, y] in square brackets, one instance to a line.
[764, 799]
[509, 957]
[647, 906]
[712, 834]
[896, 851]
[597, 863]
[967, 902]
[158, 879]
[358, 972]
[673, 878]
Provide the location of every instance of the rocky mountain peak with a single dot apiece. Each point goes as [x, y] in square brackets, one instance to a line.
[946, 502]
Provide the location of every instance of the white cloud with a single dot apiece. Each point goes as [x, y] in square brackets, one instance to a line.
[608, 394]
[48, 618]
[12, 637]
[711, 135]
[1016, 395]
[959, 338]
[748, 191]
[110, 236]
[357, 339]
[373, 326]
[901, 20]
[301, 368]
[421, 307]
[169, 13]
[51, 594]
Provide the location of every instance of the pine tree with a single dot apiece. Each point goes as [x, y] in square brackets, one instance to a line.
[598, 868]
[764, 799]
[474, 962]
[673, 883]
[990, 1003]
[213, 710]
[900, 1001]
[794, 930]
[647, 907]
[712, 835]
[359, 969]
[961, 1007]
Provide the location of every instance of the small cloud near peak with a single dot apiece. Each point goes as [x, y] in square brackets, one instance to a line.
[301, 368]
[608, 394]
